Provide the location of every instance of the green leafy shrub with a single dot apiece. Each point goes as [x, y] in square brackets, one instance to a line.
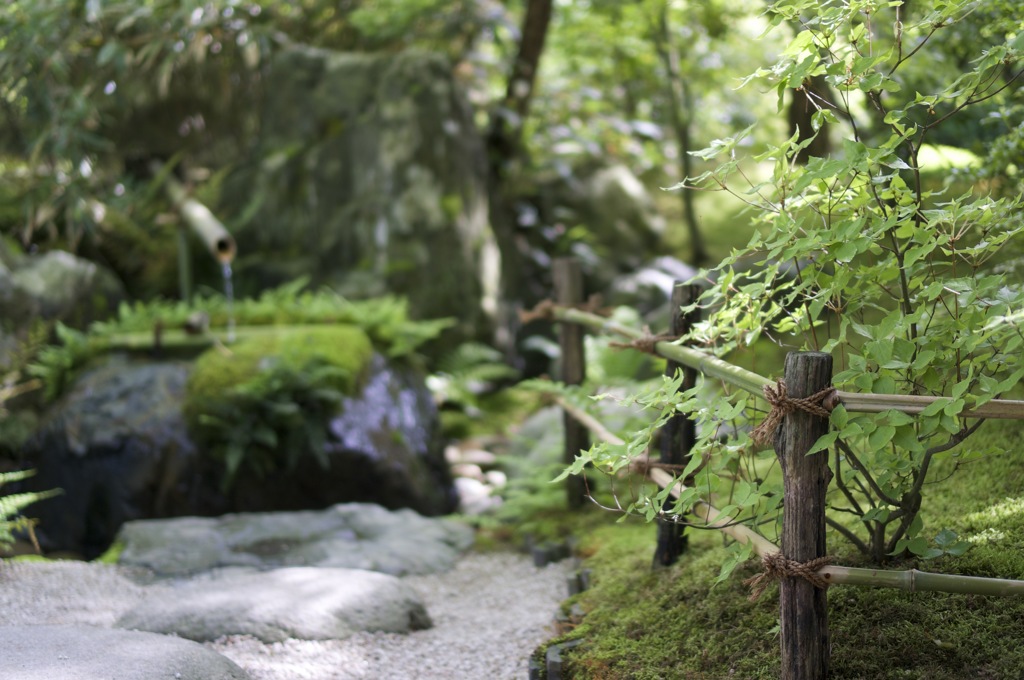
[266, 402]
[858, 257]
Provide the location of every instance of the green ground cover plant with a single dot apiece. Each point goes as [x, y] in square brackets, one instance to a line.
[674, 623]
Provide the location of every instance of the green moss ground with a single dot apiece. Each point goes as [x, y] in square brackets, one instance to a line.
[673, 624]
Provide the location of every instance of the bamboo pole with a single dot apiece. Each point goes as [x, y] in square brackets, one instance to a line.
[705, 363]
[714, 518]
[204, 223]
[913, 580]
[1007, 409]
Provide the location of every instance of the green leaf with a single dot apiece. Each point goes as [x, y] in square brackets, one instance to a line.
[898, 418]
[906, 438]
[945, 538]
[881, 437]
[824, 442]
[953, 407]
[919, 546]
[839, 417]
[738, 554]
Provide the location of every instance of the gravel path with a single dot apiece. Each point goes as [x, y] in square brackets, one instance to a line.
[490, 612]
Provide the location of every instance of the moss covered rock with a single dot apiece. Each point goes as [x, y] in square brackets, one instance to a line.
[247, 364]
[296, 419]
[265, 403]
[368, 174]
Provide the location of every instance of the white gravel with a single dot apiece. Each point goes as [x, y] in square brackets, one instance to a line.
[490, 612]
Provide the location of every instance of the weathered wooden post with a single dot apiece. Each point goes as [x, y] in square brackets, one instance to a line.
[568, 279]
[803, 606]
[679, 434]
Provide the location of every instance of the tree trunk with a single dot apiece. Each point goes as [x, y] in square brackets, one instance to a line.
[504, 148]
[681, 113]
[804, 103]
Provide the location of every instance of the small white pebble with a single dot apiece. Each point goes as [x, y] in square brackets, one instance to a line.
[496, 478]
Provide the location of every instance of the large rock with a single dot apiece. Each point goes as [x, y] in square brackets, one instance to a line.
[57, 286]
[619, 211]
[648, 289]
[118, 446]
[622, 222]
[352, 536]
[370, 174]
[301, 603]
[88, 653]
[69, 288]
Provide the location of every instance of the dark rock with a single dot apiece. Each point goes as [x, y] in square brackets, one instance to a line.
[550, 551]
[555, 662]
[117, 444]
[384, 447]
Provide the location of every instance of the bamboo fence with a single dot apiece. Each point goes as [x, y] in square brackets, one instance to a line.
[803, 572]
[912, 580]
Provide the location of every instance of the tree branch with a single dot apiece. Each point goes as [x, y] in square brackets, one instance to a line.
[855, 462]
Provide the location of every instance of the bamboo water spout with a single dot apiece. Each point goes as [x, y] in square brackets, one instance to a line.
[203, 223]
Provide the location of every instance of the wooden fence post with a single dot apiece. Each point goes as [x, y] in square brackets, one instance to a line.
[680, 433]
[803, 606]
[568, 280]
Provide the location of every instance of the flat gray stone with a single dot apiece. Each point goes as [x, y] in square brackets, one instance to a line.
[304, 603]
[88, 653]
[348, 535]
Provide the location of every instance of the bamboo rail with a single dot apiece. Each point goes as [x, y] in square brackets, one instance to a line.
[911, 580]
[1007, 409]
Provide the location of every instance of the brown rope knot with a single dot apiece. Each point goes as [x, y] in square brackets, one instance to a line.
[645, 343]
[777, 566]
[542, 311]
[782, 405]
[545, 309]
